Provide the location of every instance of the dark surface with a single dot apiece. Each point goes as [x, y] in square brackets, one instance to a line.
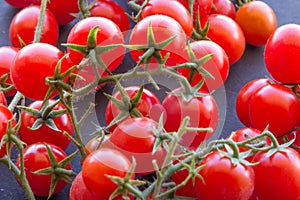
[249, 67]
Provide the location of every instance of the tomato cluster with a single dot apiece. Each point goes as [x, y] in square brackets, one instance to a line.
[149, 147]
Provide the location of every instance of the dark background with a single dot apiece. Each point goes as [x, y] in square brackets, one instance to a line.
[249, 67]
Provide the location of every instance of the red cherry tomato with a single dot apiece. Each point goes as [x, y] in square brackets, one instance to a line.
[44, 133]
[227, 33]
[42, 59]
[62, 10]
[222, 179]
[5, 116]
[224, 7]
[78, 190]
[94, 144]
[100, 163]
[277, 176]
[257, 20]
[113, 11]
[147, 101]
[203, 112]
[19, 3]
[217, 65]
[7, 56]
[277, 106]
[24, 23]
[172, 9]
[202, 7]
[282, 53]
[244, 97]
[35, 158]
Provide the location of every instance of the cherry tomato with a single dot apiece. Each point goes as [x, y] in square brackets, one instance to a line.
[257, 20]
[35, 158]
[163, 27]
[172, 9]
[94, 144]
[222, 178]
[228, 34]
[135, 137]
[224, 7]
[277, 106]
[113, 11]
[19, 3]
[147, 101]
[282, 53]
[7, 56]
[44, 133]
[100, 163]
[24, 23]
[217, 65]
[2, 98]
[42, 59]
[202, 7]
[203, 112]
[62, 10]
[244, 97]
[5, 116]
[277, 176]
[78, 190]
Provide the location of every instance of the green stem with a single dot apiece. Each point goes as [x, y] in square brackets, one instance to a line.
[18, 96]
[39, 28]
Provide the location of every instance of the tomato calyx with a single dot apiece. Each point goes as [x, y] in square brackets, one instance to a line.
[57, 170]
[138, 8]
[200, 33]
[4, 85]
[162, 138]
[243, 2]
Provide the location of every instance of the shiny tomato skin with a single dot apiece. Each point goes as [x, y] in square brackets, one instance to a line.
[277, 106]
[171, 8]
[7, 57]
[282, 53]
[135, 137]
[147, 101]
[95, 143]
[19, 3]
[218, 65]
[228, 34]
[244, 97]
[283, 168]
[78, 190]
[257, 20]
[224, 7]
[113, 11]
[203, 112]
[100, 163]
[44, 133]
[36, 158]
[5, 116]
[62, 9]
[24, 22]
[3, 98]
[40, 58]
[224, 179]
[163, 27]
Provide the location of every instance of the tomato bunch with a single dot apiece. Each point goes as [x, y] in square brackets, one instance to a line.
[159, 114]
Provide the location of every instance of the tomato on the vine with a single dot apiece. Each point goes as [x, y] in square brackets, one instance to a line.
[40, 58]
[257, 20]
[79, 191]
[45, 133]
[24, 23]
[224, 7]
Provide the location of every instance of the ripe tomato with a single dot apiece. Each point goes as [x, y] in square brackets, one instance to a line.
[224, 179]
[217, 65]
[100, 163]
[244, 97]
[94, 144]
[277, 106]
[203, 112]
[19, 3]
[135, 137]
[224, 7]
[163, 27]
[257, 20]
[24, 23]
[147, 101]
[62, 10]
[172, 9]
[44, 133]
[282, 53]
[113, 11]
[228, 34]
[35, 158]
[78, 190]
[277, 176]
[202, 7]
[40, 58]
[2, 98]
[5, 116]
[7, 56]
